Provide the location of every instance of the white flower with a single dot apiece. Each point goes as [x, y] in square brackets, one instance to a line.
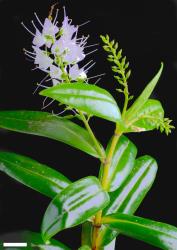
[39, 39]
[57, 51]
[67, 29]
[55, 74]
[59, 47]
[74, 53]
[42, 59]
[75, 73]
[49, 31]
[70, 51]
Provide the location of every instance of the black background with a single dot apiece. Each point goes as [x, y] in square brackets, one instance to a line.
[147, 32]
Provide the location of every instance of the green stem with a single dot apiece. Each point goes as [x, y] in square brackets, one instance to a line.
[107, 164]
[97, 145]
[105, 184]
[125, 101]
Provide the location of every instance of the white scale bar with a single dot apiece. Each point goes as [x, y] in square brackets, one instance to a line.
[15, 244]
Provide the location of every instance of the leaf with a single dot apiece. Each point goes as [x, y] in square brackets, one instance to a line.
[155, 233]
[144, 96]
[122, 162]
[85, 247]
[149, 117]
[74, 205]
[34, 241]
[33, 174]
[86, 236]
[86, 97]
[110, 246]
[47, 125]
[129, 196]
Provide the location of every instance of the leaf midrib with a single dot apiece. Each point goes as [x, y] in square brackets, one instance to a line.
[28, 170]
[139, 225]
[82, 96]
[66, 128]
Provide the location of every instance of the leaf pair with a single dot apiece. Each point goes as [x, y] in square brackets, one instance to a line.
[129, 182]
[143, 115]
[128, 197]
[73, 203]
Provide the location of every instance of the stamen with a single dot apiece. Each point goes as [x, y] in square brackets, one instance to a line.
[40, 84]
[97, 81]
[82, 24]
[91, 52]
[56, 23]
[86, 70]
[38, 19]
[26, 58]
[47, 105]
[29, 55]
[83, 42]
[81, 38]
[34, 25]
[63, 111]
[33, 53]
[97, 76]
[56, 15]
[74, 111]
[64, 10]
[87, 64]
[49, 79]
[35, 68]
[27, 29]
[88, 46]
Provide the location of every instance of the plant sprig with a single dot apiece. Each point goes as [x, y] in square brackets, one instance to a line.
[120, 67]
[165, 126]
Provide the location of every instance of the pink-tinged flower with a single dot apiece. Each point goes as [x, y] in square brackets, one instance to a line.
[42, 59]
[77, 74]
[67, 29]
[55, 74]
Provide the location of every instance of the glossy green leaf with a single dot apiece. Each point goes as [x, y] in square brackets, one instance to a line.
[85, 247]
[144, 96]
[129, 196]
[148, 117]
[34, 241]
[86, 97]
[48, 125]
[110, 246]
[33, 174]
[74, 205]
[86, 235]
[155, 233]
[122, 162]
